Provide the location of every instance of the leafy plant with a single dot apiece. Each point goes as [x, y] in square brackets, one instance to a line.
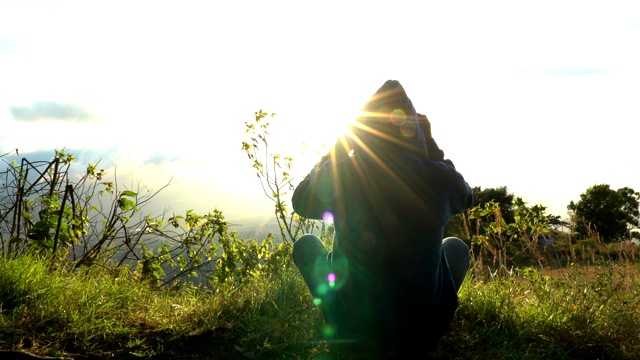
[90, 222]
[274, 172]
[503, 241]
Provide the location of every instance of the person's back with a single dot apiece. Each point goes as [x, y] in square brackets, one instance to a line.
[390, 201]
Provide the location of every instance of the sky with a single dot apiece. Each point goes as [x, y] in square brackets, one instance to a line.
[541, 97]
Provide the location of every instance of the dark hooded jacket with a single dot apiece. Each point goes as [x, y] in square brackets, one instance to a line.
[390, 201]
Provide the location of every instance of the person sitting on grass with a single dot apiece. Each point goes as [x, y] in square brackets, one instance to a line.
[390, 281]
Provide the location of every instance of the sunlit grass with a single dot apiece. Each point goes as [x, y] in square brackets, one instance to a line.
[572, 313]
[103, 313]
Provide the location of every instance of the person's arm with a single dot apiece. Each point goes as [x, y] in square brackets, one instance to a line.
[314, 195]
[455, 190]
[447, 192]
[435, 153]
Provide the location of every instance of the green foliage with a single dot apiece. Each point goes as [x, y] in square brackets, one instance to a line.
[208, 248]
[243, 259]
[456, 227]
[499, 201]
[501, 241]
[609, 213]
[43, 209]
[499, 195]
[91, 222]
[33, 214]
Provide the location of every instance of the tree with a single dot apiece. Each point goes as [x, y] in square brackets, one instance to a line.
[611, 214]
[499, 195]
[556, 222]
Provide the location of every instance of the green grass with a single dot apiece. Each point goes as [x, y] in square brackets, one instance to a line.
[99, 313]
[575, 313]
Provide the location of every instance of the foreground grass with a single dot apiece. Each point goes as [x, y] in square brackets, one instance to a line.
[576, 313]
[102, 315]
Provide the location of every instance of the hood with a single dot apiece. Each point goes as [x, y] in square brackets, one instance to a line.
[388, 125]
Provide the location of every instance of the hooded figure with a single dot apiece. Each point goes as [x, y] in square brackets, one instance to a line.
[390, 281]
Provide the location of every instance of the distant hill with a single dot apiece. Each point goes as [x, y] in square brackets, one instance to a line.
[257, 227]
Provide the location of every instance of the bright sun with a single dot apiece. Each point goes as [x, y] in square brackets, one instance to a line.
[308, 136]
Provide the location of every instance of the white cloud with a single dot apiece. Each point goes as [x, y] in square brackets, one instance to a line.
[49, 110]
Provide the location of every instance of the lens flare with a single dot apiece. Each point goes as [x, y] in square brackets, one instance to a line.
[331, 277]
[398, 117]
[355, 133]
[317, 301]
[332, 280]
[328, 331]
[327, 217]
[322, 289]
[408, 129]
[339, 273]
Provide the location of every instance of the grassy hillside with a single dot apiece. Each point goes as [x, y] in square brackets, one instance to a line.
[573, 313]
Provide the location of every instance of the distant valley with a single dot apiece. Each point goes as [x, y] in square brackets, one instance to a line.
[257, 227]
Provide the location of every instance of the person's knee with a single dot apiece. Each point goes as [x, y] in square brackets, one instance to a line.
[456, 248]
[304, 242]
[458, 258]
